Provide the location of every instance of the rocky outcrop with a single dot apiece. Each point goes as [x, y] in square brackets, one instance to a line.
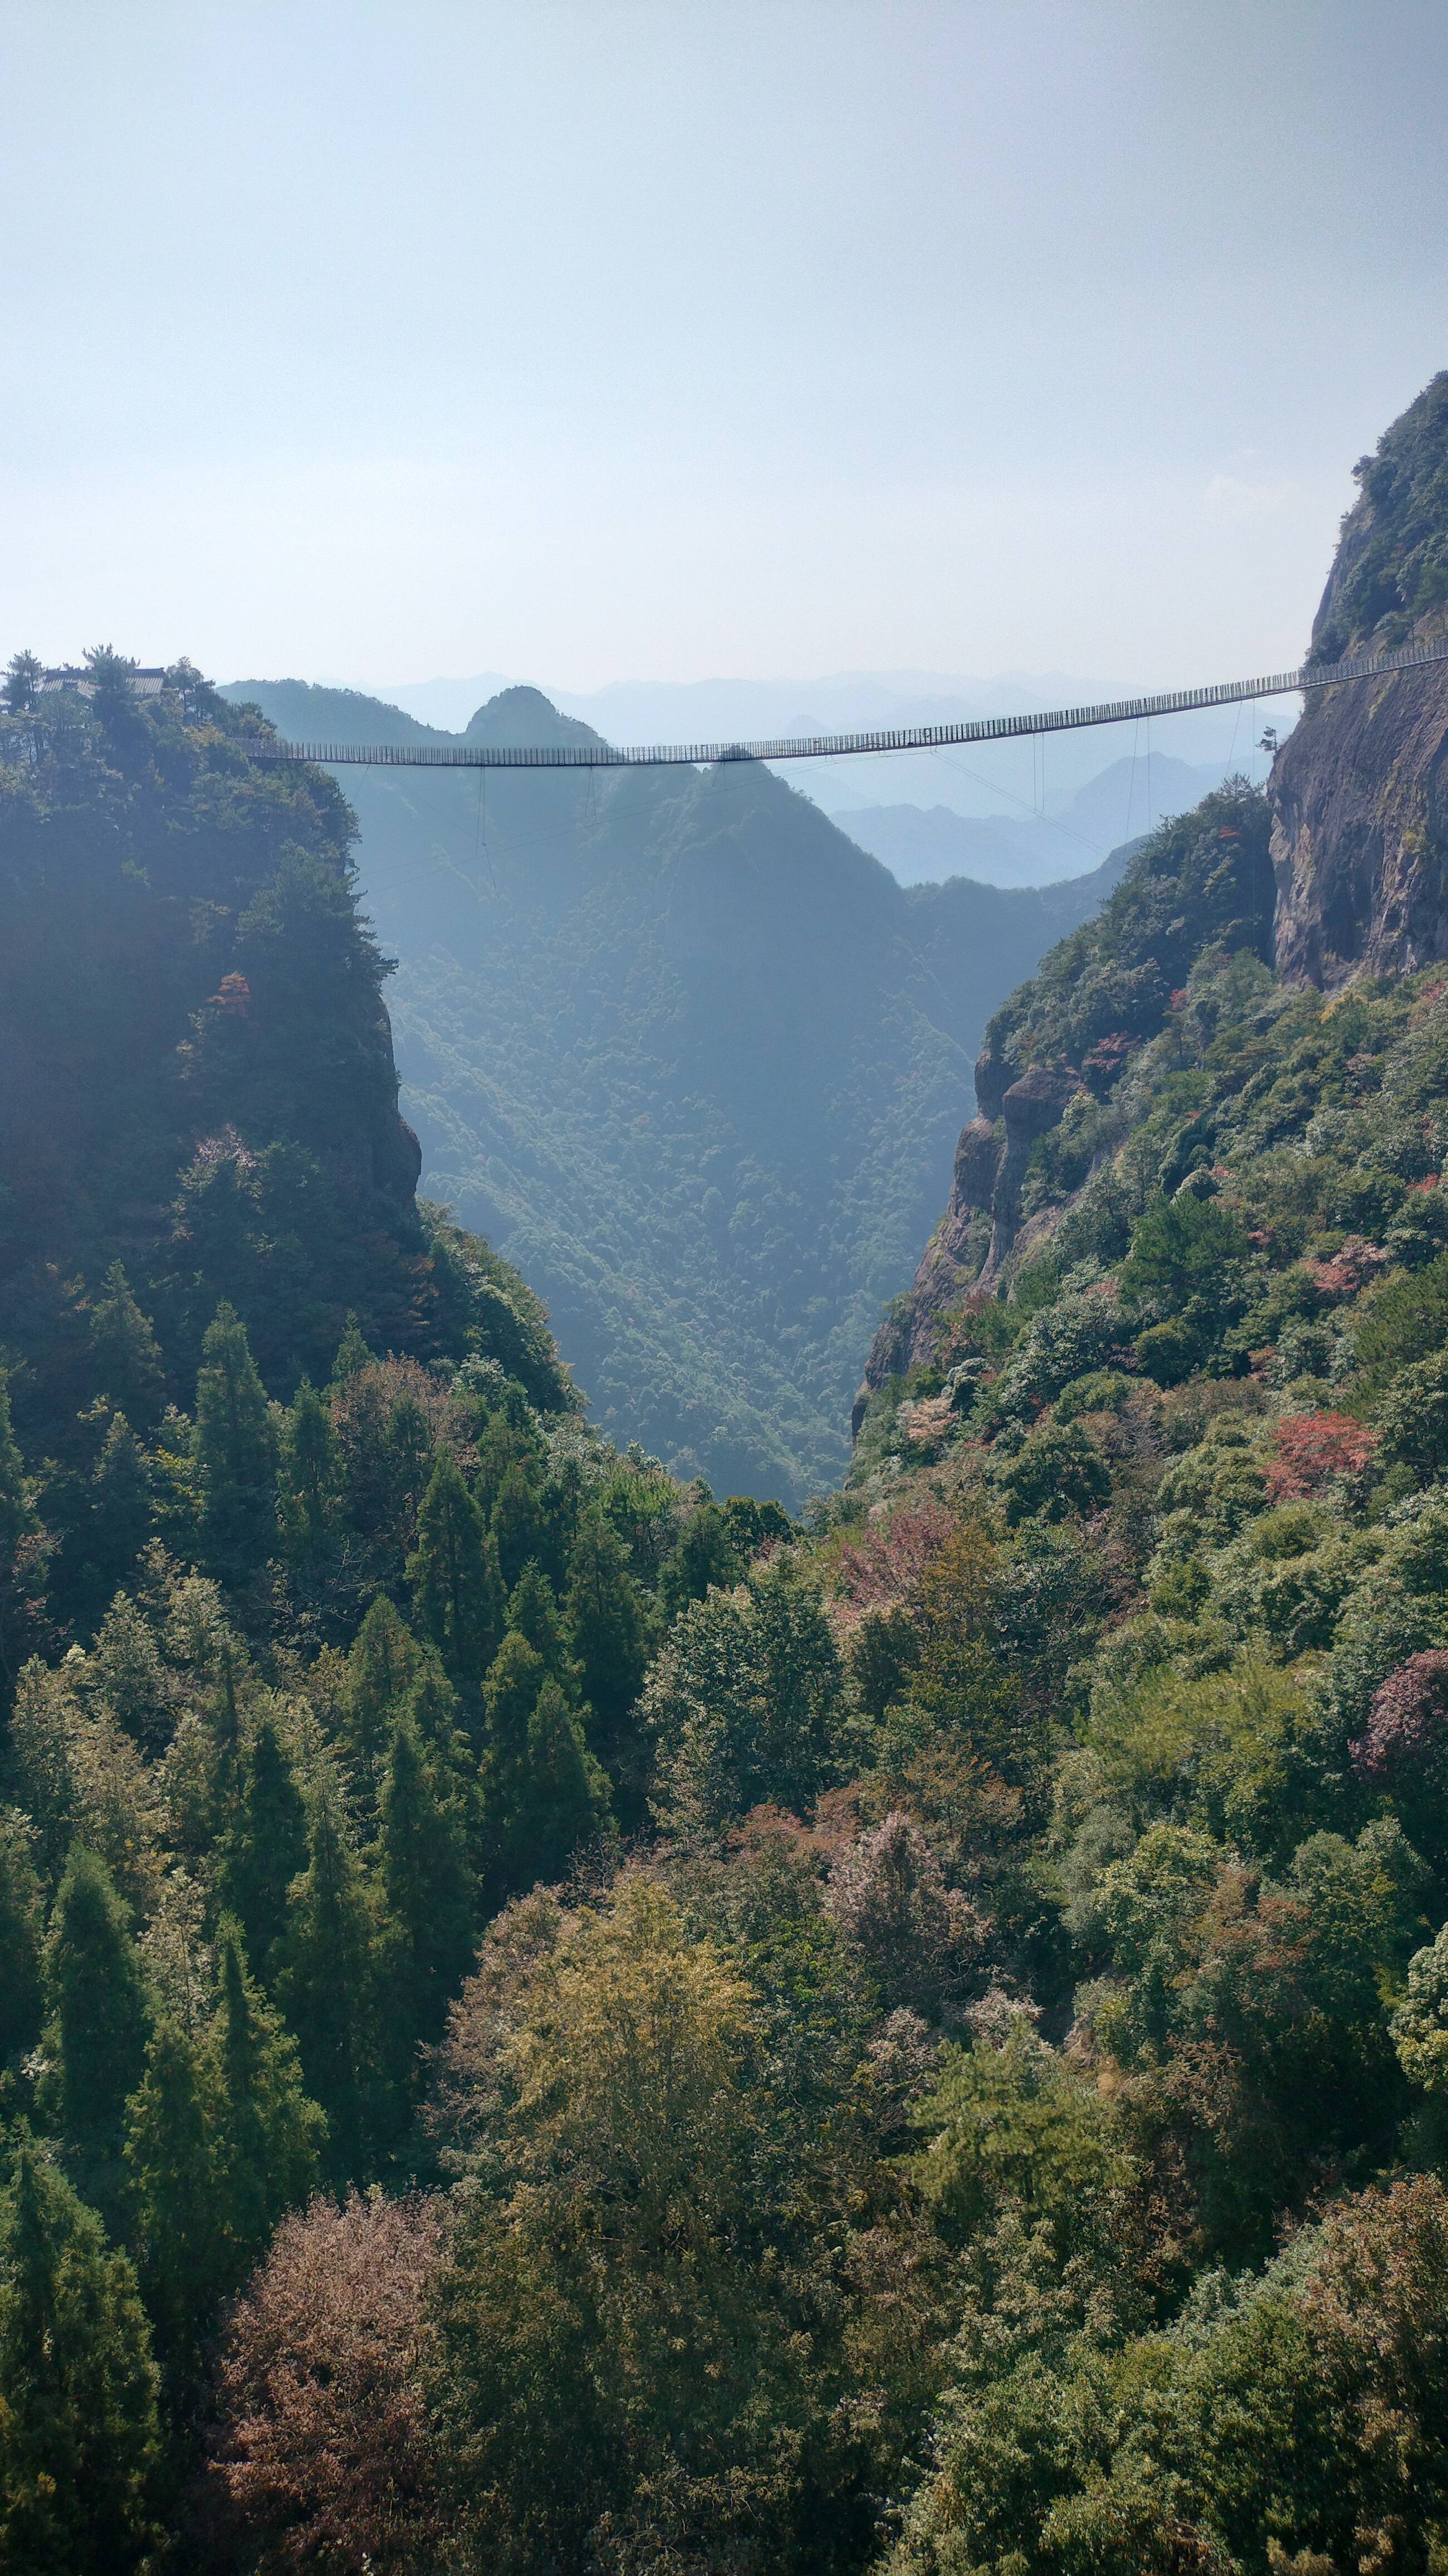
[1359, 792]
[1360, 831]
[976, 1159]
[990, 1166]
[948, 1266]
[1358, 852]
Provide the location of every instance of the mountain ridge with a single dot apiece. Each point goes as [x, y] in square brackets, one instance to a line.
[689, 1056]
[1334, 875]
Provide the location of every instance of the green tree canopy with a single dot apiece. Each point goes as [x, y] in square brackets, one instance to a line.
[456, 1587]
[236, 1452]
[125, 1354]
[327, 1987]
[270, 2133]
[79, 2428]
[99, 2016]
[265, 1846]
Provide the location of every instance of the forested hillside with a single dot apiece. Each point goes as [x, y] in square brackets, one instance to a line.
[688, 1057]
[552, 2023]
[951, 2073]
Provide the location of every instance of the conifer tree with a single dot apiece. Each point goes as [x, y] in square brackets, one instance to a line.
[533, 1613]
[429, 1892]
[510, 1696]
[402, 1463]
[562, 1799]
[21, 688]
[126, 1663]
[121, 1510]
[126, 1355]
[235, 1453]
[270, 2133]
[16, 1516]
[518, 1525]
[382, 1668]
[99, 2021]
[178, 2216]
[455, 1583]
[308, 1483]
[266, 1846]
[431, 1710]
[327, 1986]
[543, 1794]
[706, 1554]
[17, 1523]
[352, 1354]
[608, 1636]
[79, 2434]
[499, 1447]
[21, 1932]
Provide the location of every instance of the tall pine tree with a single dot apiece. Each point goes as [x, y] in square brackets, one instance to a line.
[382, 1667]
[429, 1896]
[236, 1454]
[178, 2219]
[120, 1517]
[79, 2431]
[518, 1524]
[608, 1636]
[327, 1987]
[22, 1922]
[126, 1355]
[308, 1486]
[455, 1582]
[543, 1794]
[265, 1846]
[707, 1553]
[17, 1578]
[431, 1708]
[270, 2134]
[352, 1354]
[533, 1613]
[562, 1797]
[98, 2026]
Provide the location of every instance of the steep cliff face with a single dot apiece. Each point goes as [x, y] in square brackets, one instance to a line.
[1342, 870]
[1360, 790]
[1055, 1053]
[196, 1065]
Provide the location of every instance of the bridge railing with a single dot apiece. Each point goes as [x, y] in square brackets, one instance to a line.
[841, 746]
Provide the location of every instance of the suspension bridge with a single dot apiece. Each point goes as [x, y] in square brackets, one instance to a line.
[841, 746]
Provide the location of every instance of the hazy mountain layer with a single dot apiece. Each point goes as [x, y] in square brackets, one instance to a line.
[1008, 781]
[692, 1057]
[926, 844]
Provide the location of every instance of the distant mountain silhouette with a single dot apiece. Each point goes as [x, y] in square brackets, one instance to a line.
[690, 1056]
[925, 845]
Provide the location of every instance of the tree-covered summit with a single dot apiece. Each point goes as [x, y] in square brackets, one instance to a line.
[198, 1061]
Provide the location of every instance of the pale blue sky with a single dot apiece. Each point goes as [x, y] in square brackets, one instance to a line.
[613, 340]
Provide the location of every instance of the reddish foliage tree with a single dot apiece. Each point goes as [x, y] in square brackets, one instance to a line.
[1374, 2302]
[882, 1570]
[1312, 1448]
[1407, 1728]
[325, 2458]
[1355, 1262]
[921, 1938]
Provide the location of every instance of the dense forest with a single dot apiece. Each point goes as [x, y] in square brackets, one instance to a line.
[687, 1056]
[553, 2022]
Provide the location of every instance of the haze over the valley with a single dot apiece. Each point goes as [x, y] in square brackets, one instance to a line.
[577, 343]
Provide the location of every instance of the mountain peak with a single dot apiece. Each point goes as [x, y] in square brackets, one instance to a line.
[524, 720]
